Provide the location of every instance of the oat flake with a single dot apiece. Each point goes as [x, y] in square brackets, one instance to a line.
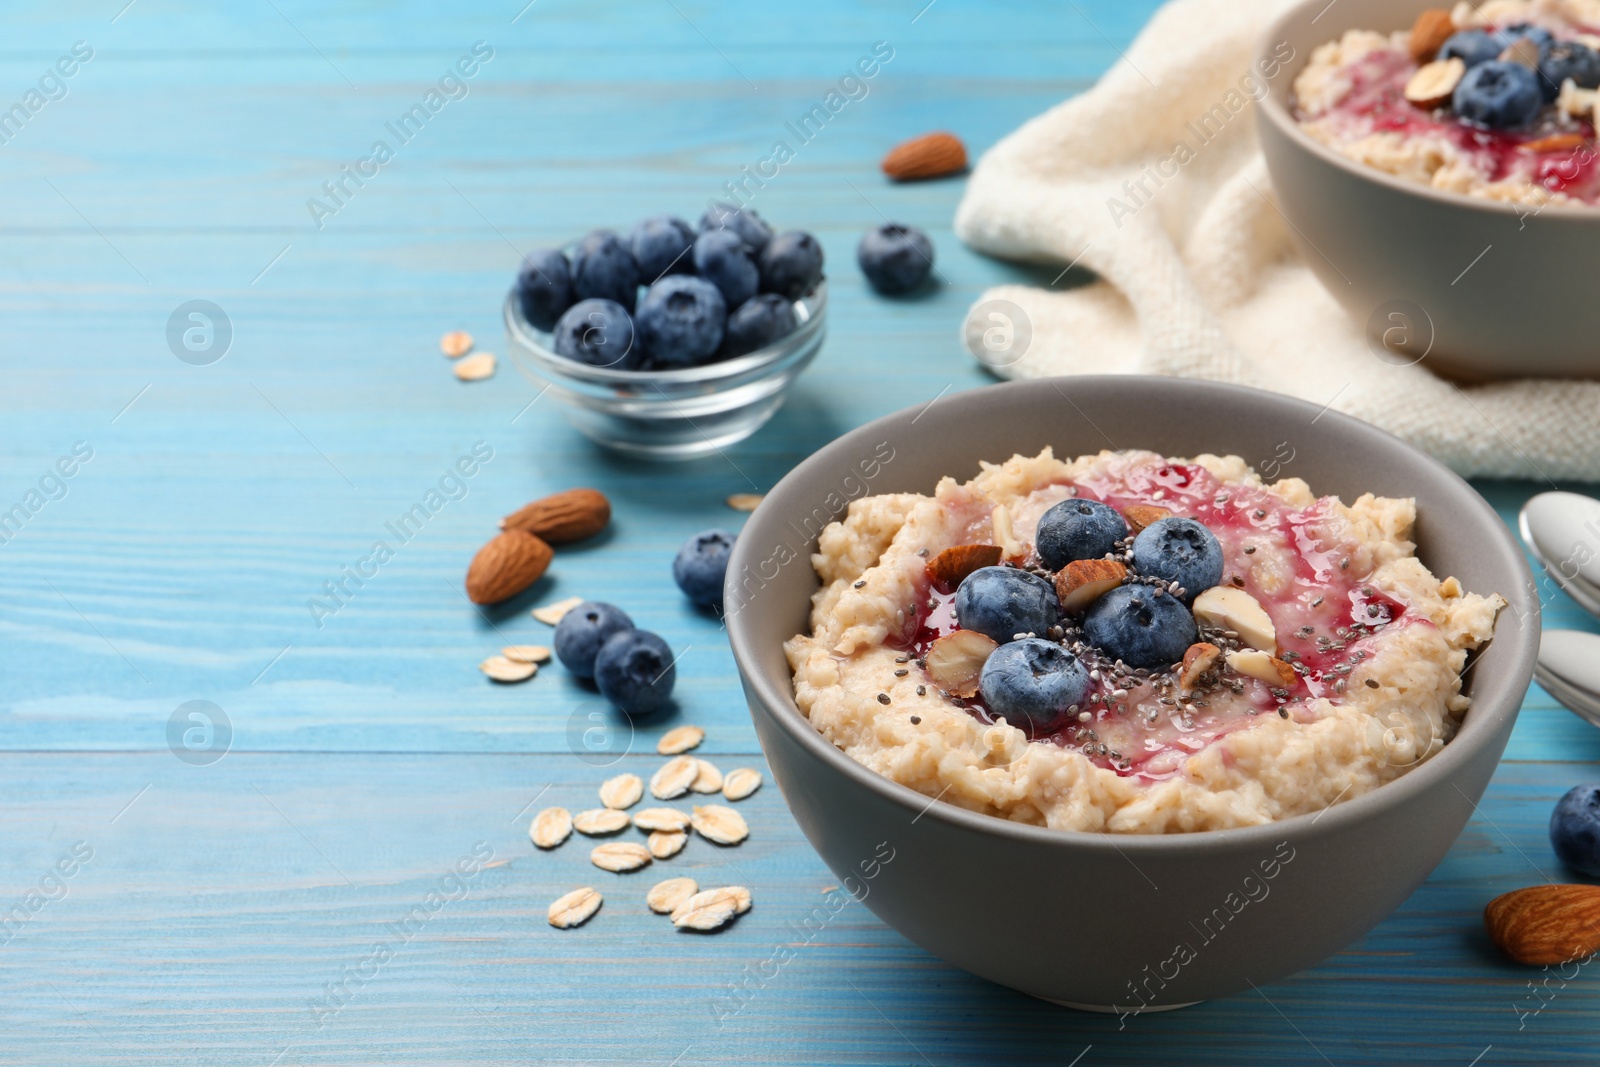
[718, 824]
[574, 909]
[681, 739]
[623, 791]
[599, 821]
[740, 783]
[674, 778]
[619, 856]
[550, 827]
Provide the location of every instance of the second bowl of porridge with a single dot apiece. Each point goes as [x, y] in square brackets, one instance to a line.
[1438, 169]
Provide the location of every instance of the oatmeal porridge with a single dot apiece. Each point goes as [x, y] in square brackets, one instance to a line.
[1128, 643]
[1494, 101]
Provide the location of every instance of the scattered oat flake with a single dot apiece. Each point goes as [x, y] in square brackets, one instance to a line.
[664, 844]
[740, 783]
[623, 791]
[670, 819]
[456, 343]
[476, 367]
[708, 779]
[526, 653]
[664, 897]
[718, 824]
[710, 908]
[504, 669]
[681, 739]
[600, 821]
[619, 856]
[674, 778]
[550, 827]
[551, 614]
[574, 909]
[745, 501]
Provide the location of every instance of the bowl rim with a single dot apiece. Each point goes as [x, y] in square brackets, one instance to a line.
[1274, 108]
[526, 343]
[778, 700]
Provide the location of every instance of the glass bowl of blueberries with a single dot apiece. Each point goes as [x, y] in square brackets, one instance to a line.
[671, 342]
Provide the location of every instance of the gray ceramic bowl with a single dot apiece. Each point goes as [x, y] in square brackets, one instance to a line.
[1478, 290]
[1095, 920]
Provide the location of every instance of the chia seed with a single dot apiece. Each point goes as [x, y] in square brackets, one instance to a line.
[883, 698]
[902, 659]
[1344, 564]
[901, 673]
[922, 690]
[861, 583]
[1249, 550]
[916, 720]
[1372, 683]
[1260, 514]
[1283, 713]
[1317, 603]
[922, 552]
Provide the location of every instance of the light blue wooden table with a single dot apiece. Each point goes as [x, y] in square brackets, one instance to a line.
[227, 913]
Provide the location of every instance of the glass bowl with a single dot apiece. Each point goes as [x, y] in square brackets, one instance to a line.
[672, 414]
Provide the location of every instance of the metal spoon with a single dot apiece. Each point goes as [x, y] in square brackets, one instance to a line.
[1569, 670]
[1562, 530]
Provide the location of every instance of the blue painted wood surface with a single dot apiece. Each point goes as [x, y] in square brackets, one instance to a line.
[218, 903]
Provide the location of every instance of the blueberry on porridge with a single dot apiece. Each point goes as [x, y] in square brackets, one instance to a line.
[1494, 101]
[1128, 643]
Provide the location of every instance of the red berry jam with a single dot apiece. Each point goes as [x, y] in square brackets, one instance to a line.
[1299, 565]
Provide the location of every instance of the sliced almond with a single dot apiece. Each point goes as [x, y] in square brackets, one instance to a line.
[707, 778]
[669, 819]
[1228, 608]
[720, 825]
[550, 827]
[1200, 657]
[619, 856]
[476, 367]
[955, 661]
[456, 343]
[551, 614]
[952, 565]
[1254, 663]
[680, 740]
[598, 821]
[1575, 101]
[1083, 581]
[1524, 50]
[574, 909]
[1433, 83]
[745, 501]
[1138, 516]
[664, 844]
[664, 897]
[740, 783]
[674, 778]
[526, 653]
[1556, 142]
[706, 914]
[1433, 28]
[623, 791]
[505, 669]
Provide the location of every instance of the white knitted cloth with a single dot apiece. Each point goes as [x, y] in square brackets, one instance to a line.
[1197, 275]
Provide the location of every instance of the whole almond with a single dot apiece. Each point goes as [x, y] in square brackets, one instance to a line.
[1083, 581]
[1433, 28]
[1201, 657]
[1435, 83]
[1556, 142]
[1545, 924]
[933, 155]
[952, 565]
[506, 566]
[563, 517]
[955, 661]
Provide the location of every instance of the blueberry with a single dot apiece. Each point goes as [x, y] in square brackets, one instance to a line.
[1537, 34]
[1034, 684]
[1472, 47]
[701, 566]
[634, 671]
[1141, 625]
[681, 320]
[760, 321]
[1499, 94]
[722, 258]
[1568, 59]
[1003, 602]
[742, 221]
[1179, 550]
[1575, 829]
[544, 288]
[661, 246]
[895, 258]
[582, 631]
[1077, 529]
[603, 267]
[599, 333]
[791, 264]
